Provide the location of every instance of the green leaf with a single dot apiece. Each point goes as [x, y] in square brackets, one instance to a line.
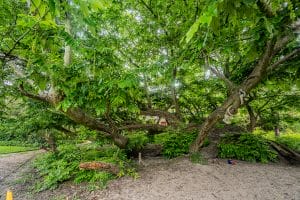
[205, 18]
[84, 8]
[42, 10]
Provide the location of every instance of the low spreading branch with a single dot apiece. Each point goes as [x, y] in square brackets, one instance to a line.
[32, 96]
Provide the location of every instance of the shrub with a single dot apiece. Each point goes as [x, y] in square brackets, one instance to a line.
[246, 147]
[63, 165]
[137, 140]
[176, 143]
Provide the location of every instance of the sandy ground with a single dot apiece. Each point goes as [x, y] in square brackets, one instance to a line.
[179, 179]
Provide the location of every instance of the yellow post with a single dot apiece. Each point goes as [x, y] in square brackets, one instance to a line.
[9, 195]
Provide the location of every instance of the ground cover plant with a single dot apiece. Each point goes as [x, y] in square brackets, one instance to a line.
[63, 165]
[176, 143]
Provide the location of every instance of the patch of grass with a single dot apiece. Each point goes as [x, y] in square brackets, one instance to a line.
[14, 149]
[198, 158]
[18, 143]
[291, 140]
[288, 138]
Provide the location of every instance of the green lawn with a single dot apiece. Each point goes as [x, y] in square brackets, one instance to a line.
[14, 149]
[289, 138]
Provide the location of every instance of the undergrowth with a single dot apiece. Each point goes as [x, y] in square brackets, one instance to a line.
[55, 168]
[176, 143]
[246, 147]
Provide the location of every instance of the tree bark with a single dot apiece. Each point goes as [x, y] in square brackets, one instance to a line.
[80, 117]
[232, 103]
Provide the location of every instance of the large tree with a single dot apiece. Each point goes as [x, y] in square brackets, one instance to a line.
[105, 64]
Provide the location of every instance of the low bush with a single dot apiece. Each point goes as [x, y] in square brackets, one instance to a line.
[176, 143]
[137, 140]
[246, 147]
[63, 165]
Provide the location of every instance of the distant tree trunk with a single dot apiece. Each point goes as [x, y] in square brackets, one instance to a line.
[174, 94]
[51, 141]
[252, 118]
[68, 51]
[146, 88]
[277, 131]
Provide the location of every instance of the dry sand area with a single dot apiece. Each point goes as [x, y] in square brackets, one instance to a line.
[179, 179]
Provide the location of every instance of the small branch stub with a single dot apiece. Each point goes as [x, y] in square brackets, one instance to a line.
[227, 115]
[242, 96]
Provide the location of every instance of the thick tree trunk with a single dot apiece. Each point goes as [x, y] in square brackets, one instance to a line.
[210, 121]
[232, 103]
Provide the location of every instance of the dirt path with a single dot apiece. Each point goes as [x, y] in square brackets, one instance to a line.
[11, 168]
[180, 179]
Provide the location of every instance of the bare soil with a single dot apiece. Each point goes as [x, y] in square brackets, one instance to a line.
[12, 167]
[179, 179]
